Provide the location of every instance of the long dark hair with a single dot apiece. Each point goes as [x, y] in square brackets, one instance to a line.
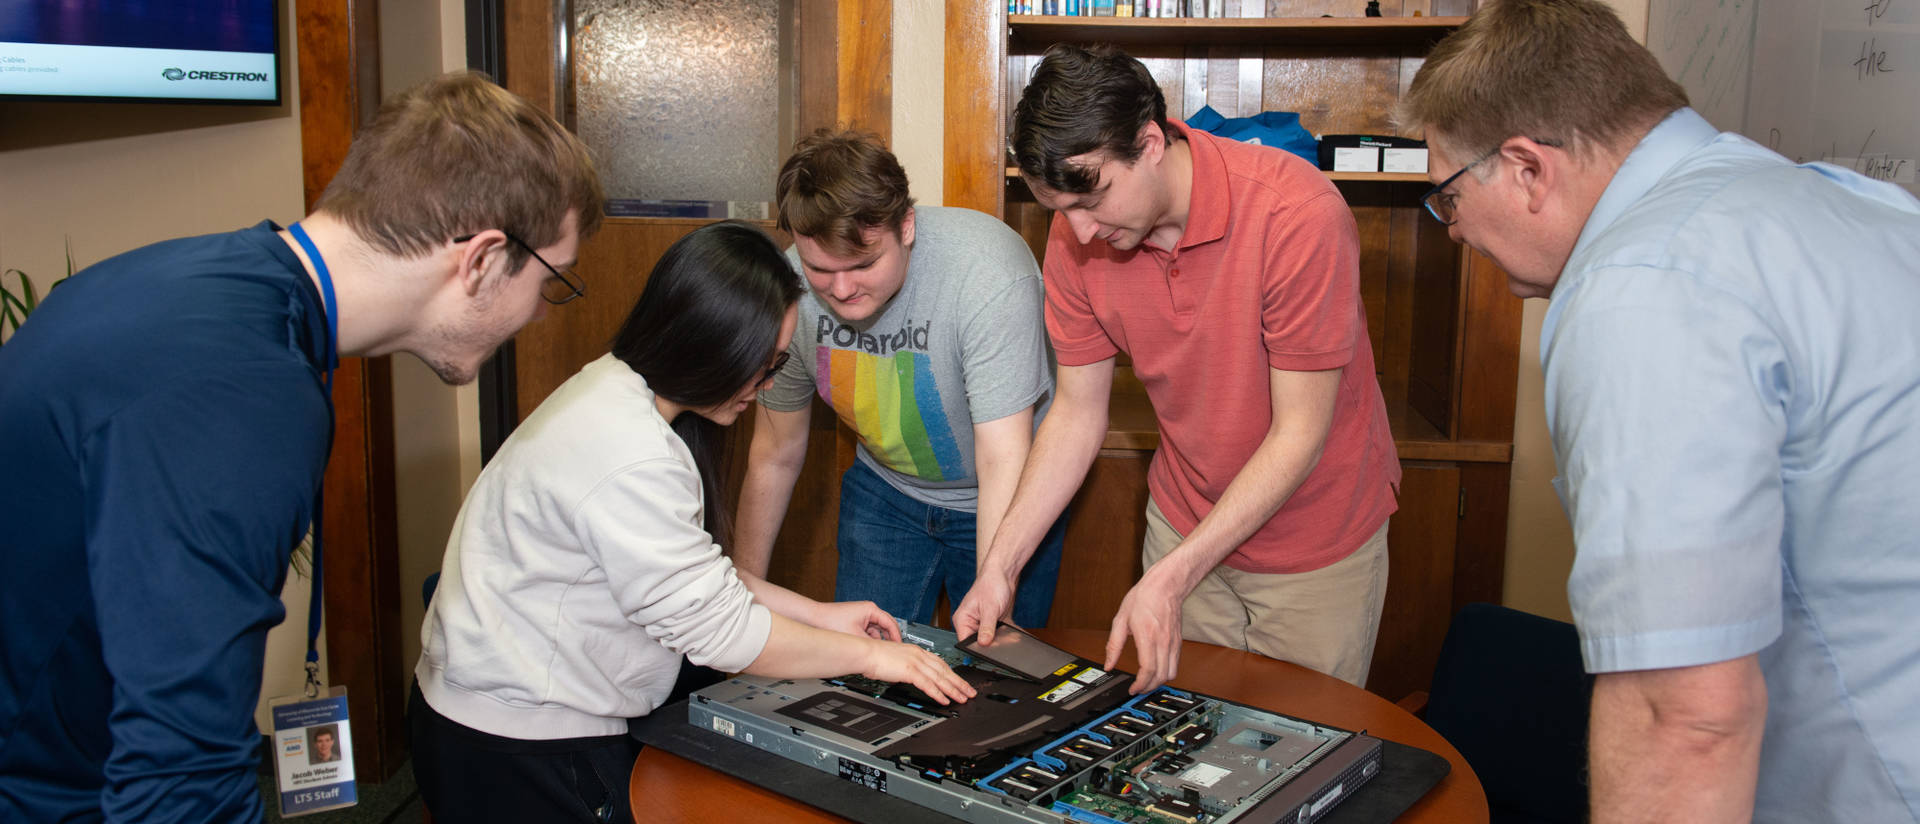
[703, 329]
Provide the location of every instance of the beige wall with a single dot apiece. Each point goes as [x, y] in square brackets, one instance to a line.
[107, 177]
[1539, 540]
[919, 95]
[435, 426]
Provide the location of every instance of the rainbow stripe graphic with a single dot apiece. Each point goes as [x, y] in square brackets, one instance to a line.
[893, 404]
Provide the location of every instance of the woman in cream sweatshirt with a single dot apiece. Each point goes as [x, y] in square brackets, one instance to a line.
[584, 562]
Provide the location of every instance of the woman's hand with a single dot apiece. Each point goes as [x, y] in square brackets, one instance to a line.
[906, 663]
[855, 618]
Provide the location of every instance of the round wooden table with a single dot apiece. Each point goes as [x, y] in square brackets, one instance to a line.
[666, 787]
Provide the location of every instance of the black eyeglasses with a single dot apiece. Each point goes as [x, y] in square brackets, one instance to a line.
[1439, 202]
[778, 362]
[565, 284]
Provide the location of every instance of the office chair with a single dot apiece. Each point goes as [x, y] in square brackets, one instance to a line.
[1511, 694]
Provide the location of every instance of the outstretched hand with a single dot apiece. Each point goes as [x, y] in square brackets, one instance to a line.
[1150, 615]
[907, 663]
[988, 602]
[856, 618]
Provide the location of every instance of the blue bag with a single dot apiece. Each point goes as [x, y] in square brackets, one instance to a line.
[1278, 129]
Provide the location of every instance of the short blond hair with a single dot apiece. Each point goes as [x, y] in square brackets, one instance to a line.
[1561, 71]
[458, 155]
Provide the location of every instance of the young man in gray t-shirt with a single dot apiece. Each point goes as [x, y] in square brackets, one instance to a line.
[922, 329]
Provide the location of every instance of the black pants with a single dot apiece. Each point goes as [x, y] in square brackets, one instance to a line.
[466, 775]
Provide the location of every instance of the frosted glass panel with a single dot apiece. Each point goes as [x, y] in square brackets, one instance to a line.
[679, 99]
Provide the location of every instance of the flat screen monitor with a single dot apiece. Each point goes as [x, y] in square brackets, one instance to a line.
[200, 51]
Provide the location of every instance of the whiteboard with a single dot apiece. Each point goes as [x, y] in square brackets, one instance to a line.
[1832, 80]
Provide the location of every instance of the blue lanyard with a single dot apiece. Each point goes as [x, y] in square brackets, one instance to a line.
[333, 360]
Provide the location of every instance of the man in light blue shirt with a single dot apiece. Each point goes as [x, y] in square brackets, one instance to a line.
[1732, 365]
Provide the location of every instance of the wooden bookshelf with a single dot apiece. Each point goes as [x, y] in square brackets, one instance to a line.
[1039, 31]
[1013, 173]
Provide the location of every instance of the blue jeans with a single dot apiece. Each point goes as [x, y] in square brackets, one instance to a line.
[898, 552]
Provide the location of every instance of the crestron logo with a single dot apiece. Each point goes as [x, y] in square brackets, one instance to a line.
[199, 74]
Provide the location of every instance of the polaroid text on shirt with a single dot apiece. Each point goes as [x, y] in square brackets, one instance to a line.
[909, 337]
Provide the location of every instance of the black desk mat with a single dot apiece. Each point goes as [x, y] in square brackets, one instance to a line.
[1406, 774]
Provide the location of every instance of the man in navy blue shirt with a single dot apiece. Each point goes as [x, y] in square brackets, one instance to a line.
[164, 427]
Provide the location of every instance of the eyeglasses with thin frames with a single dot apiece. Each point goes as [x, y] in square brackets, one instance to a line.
[779, 361]
[565, 284]
[1440, 202]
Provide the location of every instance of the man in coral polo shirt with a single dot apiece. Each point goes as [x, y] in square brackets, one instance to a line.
[1229, 273]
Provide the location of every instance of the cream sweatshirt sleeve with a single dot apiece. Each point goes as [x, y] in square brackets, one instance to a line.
[642, 525]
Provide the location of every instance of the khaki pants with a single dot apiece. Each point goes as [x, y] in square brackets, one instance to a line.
[1324, 620]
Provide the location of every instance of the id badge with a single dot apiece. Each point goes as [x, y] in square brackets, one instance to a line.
[313, 753]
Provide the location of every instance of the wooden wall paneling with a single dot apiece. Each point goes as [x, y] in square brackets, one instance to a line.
[1336, 89]
[1194, 83]
[865, 75]
[1432, 360]
[1420, 549]
[527, 42]
[1409, 66]
[1029, 218]
[1373, 217]
[1101, 559]
[338, 60]
[816, 61]
[1489, 359]
[1480, 557]
[1396, 334]
[1252, 70]
[844, 62]
[1223, 82]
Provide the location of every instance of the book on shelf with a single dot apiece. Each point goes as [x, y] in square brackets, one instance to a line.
[734, 209]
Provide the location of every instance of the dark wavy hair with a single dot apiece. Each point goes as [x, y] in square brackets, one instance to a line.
[703, 329]
[1081, 100]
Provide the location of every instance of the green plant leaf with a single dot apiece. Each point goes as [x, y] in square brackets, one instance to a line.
[16, 306]
[13, 310]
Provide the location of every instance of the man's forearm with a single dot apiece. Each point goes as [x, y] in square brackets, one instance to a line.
[1062, 452]
[774, 461]
[1302, 415]
[1000, 452]
[764, 495]
[1269, 478]
[1679, 744]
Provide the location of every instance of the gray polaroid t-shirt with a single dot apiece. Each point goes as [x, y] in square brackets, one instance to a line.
[964, 342]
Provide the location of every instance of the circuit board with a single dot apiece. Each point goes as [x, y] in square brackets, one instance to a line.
[1072, 746]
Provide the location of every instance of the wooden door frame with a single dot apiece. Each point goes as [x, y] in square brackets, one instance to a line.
[339, 71]
[513, 41]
